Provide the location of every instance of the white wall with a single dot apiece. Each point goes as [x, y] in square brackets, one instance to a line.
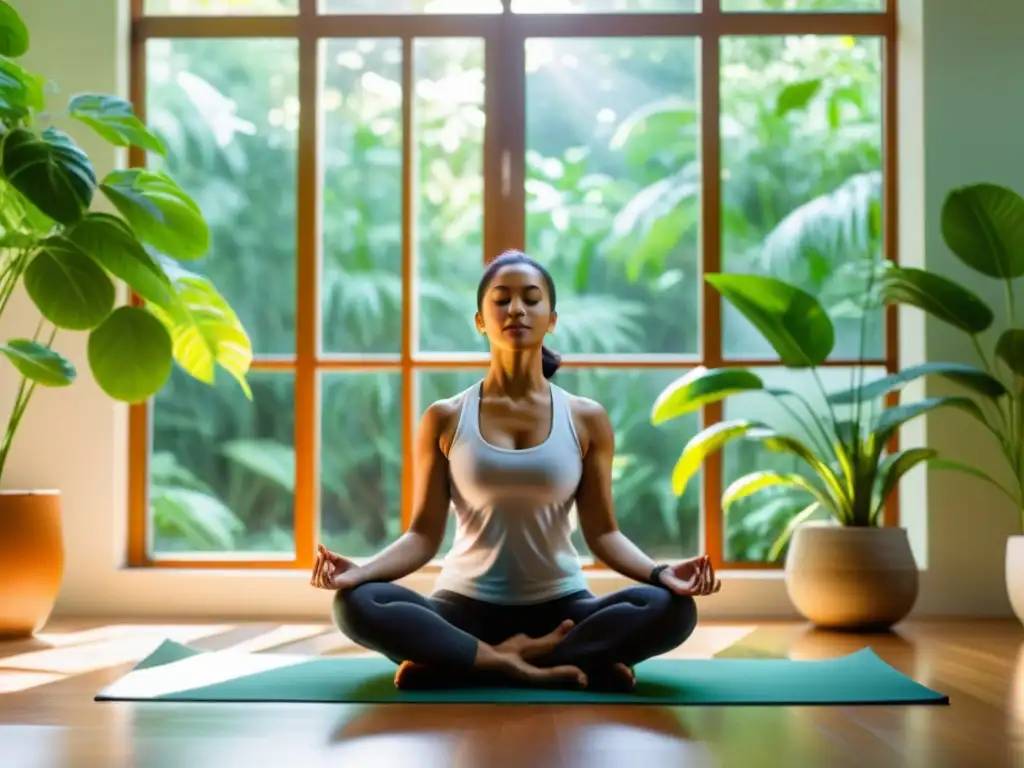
[968, 130]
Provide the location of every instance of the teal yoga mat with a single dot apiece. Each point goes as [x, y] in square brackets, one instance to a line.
[174, 672]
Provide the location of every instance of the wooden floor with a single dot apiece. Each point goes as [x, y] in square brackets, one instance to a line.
[48, 717]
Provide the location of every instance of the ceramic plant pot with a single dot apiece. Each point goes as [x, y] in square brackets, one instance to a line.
[854, 579]
[31, 559]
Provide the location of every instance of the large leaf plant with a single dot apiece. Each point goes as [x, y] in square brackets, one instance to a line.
[843, 440]
[983, 226]
[69, 255]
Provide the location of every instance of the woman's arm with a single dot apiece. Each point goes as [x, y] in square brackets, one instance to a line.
[594, 503]
[431, 501]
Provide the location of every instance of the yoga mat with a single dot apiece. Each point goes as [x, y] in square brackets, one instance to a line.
[175, 672]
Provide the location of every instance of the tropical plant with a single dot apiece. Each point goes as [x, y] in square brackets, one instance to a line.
[843, 441]
[68, 256]
[983, 225]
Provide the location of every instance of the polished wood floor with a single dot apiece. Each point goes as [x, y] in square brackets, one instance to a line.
[48, 717]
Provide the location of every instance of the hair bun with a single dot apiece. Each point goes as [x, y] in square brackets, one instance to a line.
[551, 361]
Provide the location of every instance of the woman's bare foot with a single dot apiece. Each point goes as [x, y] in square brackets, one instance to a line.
[411, 676]
[625, 676]
[533, 647]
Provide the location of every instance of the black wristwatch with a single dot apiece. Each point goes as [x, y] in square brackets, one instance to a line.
[655, 577]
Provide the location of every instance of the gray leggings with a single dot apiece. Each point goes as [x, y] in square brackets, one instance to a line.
[442, 630]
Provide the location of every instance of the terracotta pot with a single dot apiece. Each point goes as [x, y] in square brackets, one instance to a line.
[31, 559]
[860, 579]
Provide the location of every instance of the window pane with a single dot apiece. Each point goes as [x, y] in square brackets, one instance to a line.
[448, 111]
[647, 510]
[802, 176]
[220, 7]
[753, 524]
[360, 461]
[613, 190]
[410, 6]
[361, 277]
[222, 469]
[228, 111]
[604, 6]
[803, 5]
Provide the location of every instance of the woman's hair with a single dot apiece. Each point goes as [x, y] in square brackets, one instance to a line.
[550, 360]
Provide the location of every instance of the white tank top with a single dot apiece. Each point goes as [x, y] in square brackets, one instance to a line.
[513, 511]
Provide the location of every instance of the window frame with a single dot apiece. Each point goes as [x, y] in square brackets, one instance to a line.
[504, 35]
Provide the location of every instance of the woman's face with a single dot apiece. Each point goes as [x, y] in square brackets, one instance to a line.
[516, 309]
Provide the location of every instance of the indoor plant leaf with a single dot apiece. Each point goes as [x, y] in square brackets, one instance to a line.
[891, 419]
[20, 90]
[113, 245]
[702, 445]
[14, 37]
[130, 354]
[968, 376]
[159, 211]
[894, 468]
[701, 386]
[51, 171]
[1010, 349]
[206, 332]
[791, 320]
[70, 289]
[795, 522]
[782, 443]
[114, 119]
[967, 469]
[39, 363]
[983, 224]
[757, 481]
[939, 296]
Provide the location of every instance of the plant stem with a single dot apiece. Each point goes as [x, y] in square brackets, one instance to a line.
[21, 401]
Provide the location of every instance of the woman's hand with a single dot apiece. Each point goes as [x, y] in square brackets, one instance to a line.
[693, 578]
[332, 571]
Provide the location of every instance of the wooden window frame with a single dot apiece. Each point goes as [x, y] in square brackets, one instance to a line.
[504, 141]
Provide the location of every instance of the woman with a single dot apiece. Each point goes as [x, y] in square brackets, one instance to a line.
[514, 454]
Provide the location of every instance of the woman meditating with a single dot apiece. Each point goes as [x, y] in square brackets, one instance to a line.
[514, 454]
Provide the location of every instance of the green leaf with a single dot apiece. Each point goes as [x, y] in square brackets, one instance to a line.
[130, 355]
[791, 320]
[161, 214]
[699, 387]
[51, 171]
[777, 442]
[269, 459]
[39, 363]
[114, 119]
[20, 90]
[70, 289]
[797, 95]
[895, 467]
[939, 296]
[14, 37]
[1010, 349]
[202, 519]
[758, 481]
[702, 445]
[968, 376]
[111, 242]
[795, 522]
[891, 419]
[983, 224]
[206, 332]
[956, 466]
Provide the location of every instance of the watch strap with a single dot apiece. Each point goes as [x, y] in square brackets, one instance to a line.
[655, 577]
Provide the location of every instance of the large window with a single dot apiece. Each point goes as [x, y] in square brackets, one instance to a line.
[360, 160]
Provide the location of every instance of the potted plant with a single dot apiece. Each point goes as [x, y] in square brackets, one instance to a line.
[850, 572]
[983, 225]
[69, 257]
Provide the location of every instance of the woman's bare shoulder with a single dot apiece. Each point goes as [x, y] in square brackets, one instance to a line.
[441, 420]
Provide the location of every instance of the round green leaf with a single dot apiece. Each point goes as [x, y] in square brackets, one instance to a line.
[130, 355]
[983, 225]
[159, 211]
[939, 296]
[791, 320]
[114, 119]
[20, 90]
[54, 174]
[1010, 348]
[112, 243]
[39, 363]
[70, 289]
[699, 387]
[14, 37]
